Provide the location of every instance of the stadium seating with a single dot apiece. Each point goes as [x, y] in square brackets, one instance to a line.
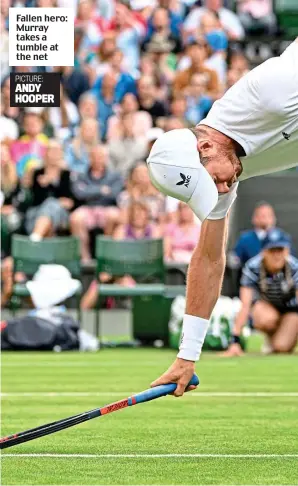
[143, 260]
[28, 256]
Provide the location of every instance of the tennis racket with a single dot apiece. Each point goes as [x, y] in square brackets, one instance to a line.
[51, 428]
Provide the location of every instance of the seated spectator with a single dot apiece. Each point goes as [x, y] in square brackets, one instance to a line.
[141, 120]
[124, 81]
[52, 199]
[101, 60]
[229, 20]
[217, 42]
[269, 292]
[138, 227]
[130, 30]
[64, 118]
[163, 56]
[105, 93]
[9, 129]
[178, 107]
[88, 106]
[12, 113]
[198, 103]
[172, 123]
[28, 151]
[75, 82]
[97, 191]
[257, 16]
[92, 25]
[140, 188]
[181, 237]
[77, 150]
[9, 190]
[197, 53]
[147, 97]
[160, 27]
[175, 18]
[250, 242]
[128, 147]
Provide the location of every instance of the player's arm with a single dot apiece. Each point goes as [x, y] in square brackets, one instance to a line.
[205, 275]
[246, 297]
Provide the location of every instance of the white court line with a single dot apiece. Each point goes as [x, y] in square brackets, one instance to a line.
[125, 393]
[156, 456]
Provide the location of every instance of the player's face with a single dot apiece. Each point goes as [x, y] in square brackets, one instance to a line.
[224, 173]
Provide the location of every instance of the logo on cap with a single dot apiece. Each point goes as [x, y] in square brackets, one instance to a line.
[185, 180]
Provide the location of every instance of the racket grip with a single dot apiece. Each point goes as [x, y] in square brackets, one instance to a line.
[158, 391]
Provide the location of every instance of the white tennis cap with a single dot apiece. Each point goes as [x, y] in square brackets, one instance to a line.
[175, 169]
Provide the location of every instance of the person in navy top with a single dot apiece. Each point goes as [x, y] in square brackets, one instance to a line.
[249, 243]
[269, 293]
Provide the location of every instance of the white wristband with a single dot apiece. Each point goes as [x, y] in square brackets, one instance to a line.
[193, 335]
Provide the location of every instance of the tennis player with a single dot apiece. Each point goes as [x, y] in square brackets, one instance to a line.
[252, 130]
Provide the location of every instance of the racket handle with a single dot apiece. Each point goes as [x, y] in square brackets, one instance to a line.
[158, 391]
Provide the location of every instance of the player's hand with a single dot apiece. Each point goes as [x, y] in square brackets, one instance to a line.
[181, 373]
[233, 350]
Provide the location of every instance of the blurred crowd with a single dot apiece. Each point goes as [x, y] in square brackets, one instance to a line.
[142, 67]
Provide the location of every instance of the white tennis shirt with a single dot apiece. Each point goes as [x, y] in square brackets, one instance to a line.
[260, 112]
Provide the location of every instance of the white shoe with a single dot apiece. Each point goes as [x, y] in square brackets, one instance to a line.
[267, 346]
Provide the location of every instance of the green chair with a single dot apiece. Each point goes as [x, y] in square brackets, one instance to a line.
[287, 16]
[28, 255]
[142, 259]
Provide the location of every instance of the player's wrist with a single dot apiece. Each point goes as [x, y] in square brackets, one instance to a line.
[235, 339]
[224, 204]
[194, 330]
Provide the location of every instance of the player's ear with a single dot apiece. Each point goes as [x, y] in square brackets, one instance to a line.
[205, 146]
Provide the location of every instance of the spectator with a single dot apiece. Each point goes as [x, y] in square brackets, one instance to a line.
[7, 111]
[106, 50]
[124, 83]
[137, 227]
[257, 16]
[182, 237]
[130, 30]
[269, 291]
[28, 151]
[172, 123]
[141, 120]
[64, 118]
[148, 99]
[97, 191]
[77, 150]
[9, 129]
[9, 190]
[250, 242]
[229, 20]
[75, 82]
[161, 29]
[198, 103]
[52, 199]
[217, 41]
[88, 107]
[91, 24]
[238, 67]
[174, 16]
[178, 107]
[140, 188]
[197, 53]
[106, 98]
[128, 147]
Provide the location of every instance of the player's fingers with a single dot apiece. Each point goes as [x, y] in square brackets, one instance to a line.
[162, 380]
[181, 385]
[190, 388]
